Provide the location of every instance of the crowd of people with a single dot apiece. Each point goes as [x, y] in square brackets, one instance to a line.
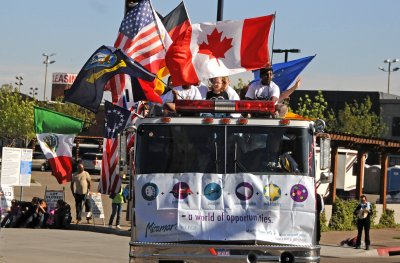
[219, 89]
[34, 214]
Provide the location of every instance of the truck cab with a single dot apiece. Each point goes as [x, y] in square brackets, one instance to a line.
[223, 189]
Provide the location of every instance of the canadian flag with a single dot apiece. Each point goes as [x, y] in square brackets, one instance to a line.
[224, 48]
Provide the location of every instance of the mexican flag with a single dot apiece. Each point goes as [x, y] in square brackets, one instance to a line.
[56, 133]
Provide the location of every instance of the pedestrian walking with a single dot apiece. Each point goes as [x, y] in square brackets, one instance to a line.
[80, 187]
[363, 213]
[117, 200]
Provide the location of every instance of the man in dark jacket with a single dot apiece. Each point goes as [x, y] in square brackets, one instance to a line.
[363, 213]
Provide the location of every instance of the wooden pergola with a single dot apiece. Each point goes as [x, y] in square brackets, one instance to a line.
[362, 145]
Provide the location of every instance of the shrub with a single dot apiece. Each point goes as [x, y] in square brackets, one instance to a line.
[343, 217]
[387, 219]
[324, 226]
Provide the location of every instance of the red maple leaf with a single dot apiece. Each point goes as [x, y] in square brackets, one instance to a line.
[216, 48]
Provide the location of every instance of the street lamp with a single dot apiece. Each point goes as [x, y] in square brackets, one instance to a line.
[46, 61]
[390, 61]
[33, 92]
[19, 83]
[286, 51]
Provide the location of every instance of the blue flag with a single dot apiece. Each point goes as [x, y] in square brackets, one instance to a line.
[285, 73]
[116, 120]
[88, 87]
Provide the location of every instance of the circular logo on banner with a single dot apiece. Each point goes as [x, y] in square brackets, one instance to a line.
[299, 193]
[149, 191]
[272, 192]
[212, 191]
[181, 190]
[244, 191]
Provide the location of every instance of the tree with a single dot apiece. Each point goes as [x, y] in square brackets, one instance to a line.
[16, 118]
[241, 87]
[315, 109]
[71, 109]
[356, 118]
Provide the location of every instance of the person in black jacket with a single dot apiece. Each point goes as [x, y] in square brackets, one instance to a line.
[363, 213]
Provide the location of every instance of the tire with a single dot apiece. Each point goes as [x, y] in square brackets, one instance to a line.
[43, 167]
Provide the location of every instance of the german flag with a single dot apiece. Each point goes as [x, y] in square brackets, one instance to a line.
[176, 22]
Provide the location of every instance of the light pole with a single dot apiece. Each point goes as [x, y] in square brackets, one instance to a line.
[390, 61]
[286, 51]
[46, 61]
[33, 92]
[19, 83]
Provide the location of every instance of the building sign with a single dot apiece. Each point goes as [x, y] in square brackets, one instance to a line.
[63, 78]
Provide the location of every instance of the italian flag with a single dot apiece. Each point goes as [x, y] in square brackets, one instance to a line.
[56, 133]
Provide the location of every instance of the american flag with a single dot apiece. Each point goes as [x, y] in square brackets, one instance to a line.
[116, 120]
[143, 37]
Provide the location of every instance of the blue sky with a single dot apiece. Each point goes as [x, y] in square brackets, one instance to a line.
[351, 38]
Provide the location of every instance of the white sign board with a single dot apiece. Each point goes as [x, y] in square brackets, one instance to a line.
[51, 197]
[96, 205]
[25, 167]
[6, 195]
[180, 207]
[16, 168]
[10, 166]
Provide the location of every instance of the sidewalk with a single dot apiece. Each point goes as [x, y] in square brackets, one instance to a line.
[384, 242]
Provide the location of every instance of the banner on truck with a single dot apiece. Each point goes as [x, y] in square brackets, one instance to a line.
[194, 206]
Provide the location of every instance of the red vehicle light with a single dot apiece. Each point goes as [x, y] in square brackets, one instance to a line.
[166, 120]
[284, 122]
[260, 106]
[242, 121]
[208, 120]
[226, 106]
[225, 121]
[193, 105]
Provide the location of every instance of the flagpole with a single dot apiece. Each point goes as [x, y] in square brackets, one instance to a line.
[273, 39]
[220, 10]
[119, 157]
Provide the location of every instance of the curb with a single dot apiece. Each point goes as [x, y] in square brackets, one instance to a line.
[388, 251]
[100, 229]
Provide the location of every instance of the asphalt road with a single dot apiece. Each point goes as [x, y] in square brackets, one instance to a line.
[50, 245]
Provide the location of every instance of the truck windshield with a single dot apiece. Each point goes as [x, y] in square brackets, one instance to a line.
[222, 149]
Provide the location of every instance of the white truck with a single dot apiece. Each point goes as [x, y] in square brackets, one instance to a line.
[223, 189]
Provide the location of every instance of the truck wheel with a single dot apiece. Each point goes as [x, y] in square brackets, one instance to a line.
[43, 167]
